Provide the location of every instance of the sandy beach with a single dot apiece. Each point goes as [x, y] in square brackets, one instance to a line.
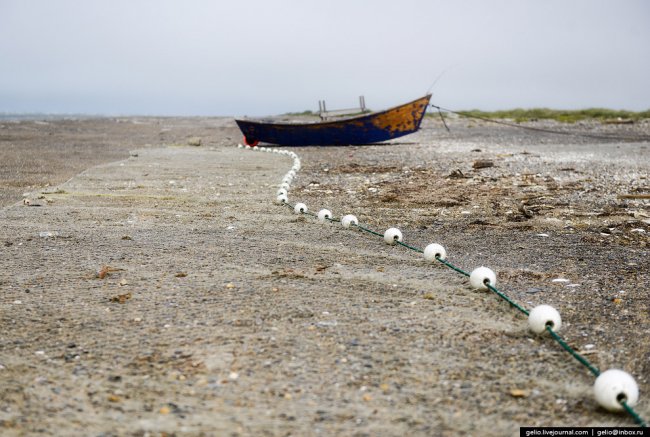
[150, 285]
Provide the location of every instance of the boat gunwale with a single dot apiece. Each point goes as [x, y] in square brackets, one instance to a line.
[339, 121]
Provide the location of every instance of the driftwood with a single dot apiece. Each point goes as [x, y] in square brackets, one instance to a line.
[634, 196]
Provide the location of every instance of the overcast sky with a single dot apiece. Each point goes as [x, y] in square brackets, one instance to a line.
[261, 57]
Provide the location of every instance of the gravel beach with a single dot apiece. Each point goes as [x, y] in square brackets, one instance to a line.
[150, 285]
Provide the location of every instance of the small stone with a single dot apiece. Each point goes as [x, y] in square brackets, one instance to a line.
[518, 393]
[230, 285]
[233, 375]
[121, 298]
[483, 163]
[164, 410]
[194, 141]
[114, 398]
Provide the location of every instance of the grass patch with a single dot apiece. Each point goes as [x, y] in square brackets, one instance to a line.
[563, 116]
[308, 113]
[299, 114]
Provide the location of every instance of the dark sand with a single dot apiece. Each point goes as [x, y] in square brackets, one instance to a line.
[224, 314]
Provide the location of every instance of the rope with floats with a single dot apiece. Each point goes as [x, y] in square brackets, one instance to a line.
[614, 389]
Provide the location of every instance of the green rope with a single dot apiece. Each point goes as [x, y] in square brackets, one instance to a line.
[370, 231]
[575, 354]
[414, 249]
[453, 267]
[507, 299]
[634, 415]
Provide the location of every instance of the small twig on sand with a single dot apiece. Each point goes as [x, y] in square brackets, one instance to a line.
[634, 196]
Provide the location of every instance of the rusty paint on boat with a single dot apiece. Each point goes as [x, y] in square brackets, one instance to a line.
[363, 129]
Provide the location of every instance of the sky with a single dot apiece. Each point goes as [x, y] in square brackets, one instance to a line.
[264, 57]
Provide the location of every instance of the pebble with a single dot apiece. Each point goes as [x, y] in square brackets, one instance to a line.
[194, 141]
[327, 323]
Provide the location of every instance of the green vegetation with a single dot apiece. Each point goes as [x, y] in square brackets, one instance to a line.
[298, 114]
[533, 114]
[564, 116]
[310, 113]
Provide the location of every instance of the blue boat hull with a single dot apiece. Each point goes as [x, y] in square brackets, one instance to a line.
[372, 128]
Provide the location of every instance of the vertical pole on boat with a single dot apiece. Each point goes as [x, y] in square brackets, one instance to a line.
[362, 103]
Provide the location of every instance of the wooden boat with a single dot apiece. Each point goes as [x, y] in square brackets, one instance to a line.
[363, 129]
